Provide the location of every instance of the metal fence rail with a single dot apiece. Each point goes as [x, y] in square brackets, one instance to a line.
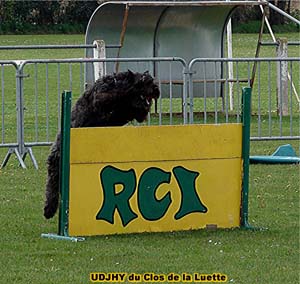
[54, 46]
[199, 92]
[48, 78]
[41, 82]
[275, 99]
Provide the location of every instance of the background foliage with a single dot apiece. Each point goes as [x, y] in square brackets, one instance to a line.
[62, 16]
[65, 16]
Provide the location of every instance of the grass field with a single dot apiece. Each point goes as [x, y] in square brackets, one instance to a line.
[42, 88]
[268, 256]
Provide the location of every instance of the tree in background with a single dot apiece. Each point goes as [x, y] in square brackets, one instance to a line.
[76, 11]
[71, 16]
[20, 15]
[47, 15]
[275, 17]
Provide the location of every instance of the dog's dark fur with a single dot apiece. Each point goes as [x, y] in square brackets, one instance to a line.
[113, 100]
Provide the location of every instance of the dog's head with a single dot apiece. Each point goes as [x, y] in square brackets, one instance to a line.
[142, 91]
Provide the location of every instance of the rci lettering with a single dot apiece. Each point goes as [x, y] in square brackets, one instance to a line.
[150, 207]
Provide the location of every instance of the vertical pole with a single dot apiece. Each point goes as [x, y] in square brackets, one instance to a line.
[2, 105]
[230, 63]
[184, 94]
[170, 93]
[47, 102]
[20, 110]
[191, 96]
[246, 120]
[65, 163]
[258, 46]
[20, 116]
[122, 35]
[99, 52]
[282, 78]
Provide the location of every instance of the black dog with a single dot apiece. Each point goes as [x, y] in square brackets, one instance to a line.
[113, 100]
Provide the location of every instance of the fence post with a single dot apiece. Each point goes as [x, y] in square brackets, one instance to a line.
[282, 78]
[184, 95]
[20, 110]
[99, 52]
[22, 149]
[191, 95]
[19, 149]
[20, 152]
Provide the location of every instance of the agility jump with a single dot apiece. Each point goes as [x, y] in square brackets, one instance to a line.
[117, 180]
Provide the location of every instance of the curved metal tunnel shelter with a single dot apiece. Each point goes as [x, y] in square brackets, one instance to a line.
[161, 29]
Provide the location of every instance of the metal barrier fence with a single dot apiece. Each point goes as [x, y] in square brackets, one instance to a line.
[41, 82]
[8, 104]
[200, 92]
[275, 94]
[10, 111]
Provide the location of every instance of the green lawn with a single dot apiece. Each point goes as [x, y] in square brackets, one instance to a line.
[266, 256]
[261, 256]
[42, 77]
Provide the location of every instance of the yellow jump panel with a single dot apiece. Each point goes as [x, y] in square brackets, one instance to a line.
[164, 178]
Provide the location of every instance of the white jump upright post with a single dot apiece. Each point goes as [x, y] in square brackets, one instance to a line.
[282, 78]
[99, 52]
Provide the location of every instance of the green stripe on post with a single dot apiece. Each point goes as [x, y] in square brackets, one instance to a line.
[65, 163]
[246, 120]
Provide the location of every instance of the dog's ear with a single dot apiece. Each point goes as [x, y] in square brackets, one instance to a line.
[130, 73]
[147, 78]
[131, 77]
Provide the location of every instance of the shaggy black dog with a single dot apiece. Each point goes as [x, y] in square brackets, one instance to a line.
[113, 100]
